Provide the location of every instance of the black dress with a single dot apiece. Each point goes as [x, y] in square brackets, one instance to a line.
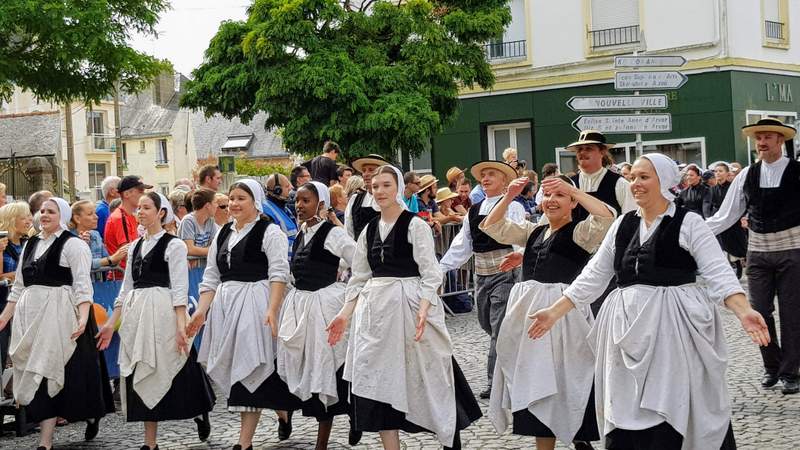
[191, 393]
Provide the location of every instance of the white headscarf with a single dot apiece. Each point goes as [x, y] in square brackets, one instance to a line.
[64, 210]
[323, 193]
[256, 189]
[668, 173]
[170, 217]
[401, 187]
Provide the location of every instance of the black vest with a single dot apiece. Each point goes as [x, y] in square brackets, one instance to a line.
[606, 192]
[660, 261]
[557, 259]
[481, 242]
[152, 270]
[692, 198]
[361, 216]
[248, 262]
[770, 210]
[46, 271]
[393, 257]
[314, 267]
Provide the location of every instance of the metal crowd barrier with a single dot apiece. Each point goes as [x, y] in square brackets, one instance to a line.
[456, 282]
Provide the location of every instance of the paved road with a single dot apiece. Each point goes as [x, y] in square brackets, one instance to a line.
[761, 419]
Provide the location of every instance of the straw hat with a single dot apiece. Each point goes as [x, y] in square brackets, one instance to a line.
[507, 170]
[769, 124]
[591, 137]
[453, 173]
[427, 181]
[375, 160]
[444, 194]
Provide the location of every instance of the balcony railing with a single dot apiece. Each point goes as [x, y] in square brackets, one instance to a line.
[611, 37]
[773, 30]
[104, 142]
[505, 50]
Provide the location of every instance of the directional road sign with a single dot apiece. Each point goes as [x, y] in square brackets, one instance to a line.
[625, 123]
[640, 81]
[617, 102]
[649, 61]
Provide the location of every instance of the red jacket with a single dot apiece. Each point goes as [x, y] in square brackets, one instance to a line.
[120, 230]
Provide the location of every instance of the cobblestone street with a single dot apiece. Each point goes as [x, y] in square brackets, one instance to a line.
[761, 419]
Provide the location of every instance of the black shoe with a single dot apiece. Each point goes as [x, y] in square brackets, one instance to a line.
[239, 447]
[769, 380]
[92, 427]
[147, 447]
[456, 442]
[285, 428]
[354, 437]
[486, 394]
[582, 445]
[203, 427]
[42, 447]
[790, 387]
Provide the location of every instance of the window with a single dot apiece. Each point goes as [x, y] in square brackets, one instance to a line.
[422, 163]
[775, 23]
[787, 117]
[164, 188]
[142, 148]
[124, 154]
[516, 135]
[161, 152]
[97, 172]
[513, 43]
[687, 150]
[94, 122]
[614, 23]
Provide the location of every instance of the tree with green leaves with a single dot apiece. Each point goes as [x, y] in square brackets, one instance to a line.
[376, 76]
[67, 50]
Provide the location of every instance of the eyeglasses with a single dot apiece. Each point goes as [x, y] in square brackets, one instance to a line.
[222, 206]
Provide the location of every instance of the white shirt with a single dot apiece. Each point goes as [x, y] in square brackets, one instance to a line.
[369, 202]
[461, 248]
[589, 182]
[75, 254]
[421, 239]
[176, 257]
[694, 237]
[274, 245]
[337, 242]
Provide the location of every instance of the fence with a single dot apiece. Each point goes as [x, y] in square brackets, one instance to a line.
[459, 282]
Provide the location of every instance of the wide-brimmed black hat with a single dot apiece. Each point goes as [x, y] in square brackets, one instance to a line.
[769, 125]
[590, 137]
[376, 160]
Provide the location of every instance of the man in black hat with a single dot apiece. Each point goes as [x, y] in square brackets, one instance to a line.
[769, 192]
[361, 208]
[493, 279]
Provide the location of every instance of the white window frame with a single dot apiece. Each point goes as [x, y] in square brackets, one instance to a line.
[512, 127]
[630, 148]
[159, 159]
[763, 114]
[92, 173]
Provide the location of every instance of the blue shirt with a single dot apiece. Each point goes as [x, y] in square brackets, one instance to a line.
[412, 203]
[102, 216]
[477, 194]
[9, 265]
[96, 246]
[283, 218]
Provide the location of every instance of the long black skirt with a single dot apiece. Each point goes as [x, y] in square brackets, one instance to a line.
[189, 396]
[659, 437]
[86, 393]
[372, 416]
[527, 424]
[273, 393]
[313, 407]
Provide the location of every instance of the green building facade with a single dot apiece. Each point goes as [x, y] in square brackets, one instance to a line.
[707, 114]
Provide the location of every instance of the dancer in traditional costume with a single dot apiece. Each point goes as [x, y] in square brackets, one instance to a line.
[399, 357]
[658, 339]
[547, 383]
[245, 277]
[161, 378]
[58, 371]
[311, 368]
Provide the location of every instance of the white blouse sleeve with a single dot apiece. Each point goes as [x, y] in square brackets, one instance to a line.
[361, 272]
[341, 244]
[176, 256]
[19, 283]
[594, 278]
[421, 238]
[211, 276]
[697, 238]
[348, 216]
[78, 257]
[127, 280]
[276, 247]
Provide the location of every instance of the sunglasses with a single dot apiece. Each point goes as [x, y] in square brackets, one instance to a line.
[222, 206]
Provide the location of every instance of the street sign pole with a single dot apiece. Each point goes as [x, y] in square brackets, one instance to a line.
[638, 135]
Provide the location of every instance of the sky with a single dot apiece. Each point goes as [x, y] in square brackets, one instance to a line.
[185, 30]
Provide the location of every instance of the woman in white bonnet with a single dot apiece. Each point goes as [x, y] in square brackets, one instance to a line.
[658, 339]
